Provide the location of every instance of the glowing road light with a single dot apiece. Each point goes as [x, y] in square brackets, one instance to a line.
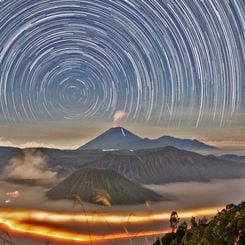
[23, 222]
[98, 218]
[45, 231]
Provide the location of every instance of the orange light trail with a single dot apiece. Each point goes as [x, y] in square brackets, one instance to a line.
[17, 221]
[45, 231]
[98, 218]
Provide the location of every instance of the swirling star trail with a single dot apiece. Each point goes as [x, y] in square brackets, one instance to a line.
[158, 60]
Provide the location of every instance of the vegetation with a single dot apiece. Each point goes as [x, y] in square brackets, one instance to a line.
[226, 228]
[174, 221]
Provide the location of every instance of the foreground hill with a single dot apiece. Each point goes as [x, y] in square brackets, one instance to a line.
[222, 229]
[88, 183]
[168, 165]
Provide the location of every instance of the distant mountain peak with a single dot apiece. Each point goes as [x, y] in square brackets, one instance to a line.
[119, 138]
[183, 143]
[113, 138]
[119, 130]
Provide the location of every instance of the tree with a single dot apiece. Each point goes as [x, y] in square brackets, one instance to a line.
[193, 222]
[174, 220]
[158, 241]
[182, 228]
[240, 239]
[230, 206]
[203, 221]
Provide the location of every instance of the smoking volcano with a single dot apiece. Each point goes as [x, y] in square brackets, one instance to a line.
[116, 138]
[119, 138]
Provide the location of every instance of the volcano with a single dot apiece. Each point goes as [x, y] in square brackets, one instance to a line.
[90, 182]
[117, 138]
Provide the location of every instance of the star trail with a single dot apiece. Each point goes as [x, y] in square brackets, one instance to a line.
[161, 61]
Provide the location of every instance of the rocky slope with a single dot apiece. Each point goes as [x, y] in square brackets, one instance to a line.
[168, 165]
[89, 183]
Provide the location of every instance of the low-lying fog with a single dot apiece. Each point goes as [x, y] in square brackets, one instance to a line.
[180, 196]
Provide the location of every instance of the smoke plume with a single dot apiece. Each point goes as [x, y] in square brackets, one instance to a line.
[32, 164]
[118, 117]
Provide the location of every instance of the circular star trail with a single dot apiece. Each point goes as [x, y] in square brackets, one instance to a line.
[162, 61]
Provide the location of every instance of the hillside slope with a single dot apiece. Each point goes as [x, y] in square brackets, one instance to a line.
[168, 165]
[87, 182]
[222, 229]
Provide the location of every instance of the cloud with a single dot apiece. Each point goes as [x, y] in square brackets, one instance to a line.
[5, 142]
[28, 144]
[31, 164]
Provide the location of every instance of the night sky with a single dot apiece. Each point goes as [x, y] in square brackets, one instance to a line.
[167, 63]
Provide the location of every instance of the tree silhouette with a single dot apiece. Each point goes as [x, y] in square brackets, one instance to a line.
[174, 220]
[181, 230]
[193, 222]
[240, 239]
[203, 221]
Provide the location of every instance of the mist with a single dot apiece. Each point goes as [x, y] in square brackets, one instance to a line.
[198, 194]
[180, 196]
[32, 164]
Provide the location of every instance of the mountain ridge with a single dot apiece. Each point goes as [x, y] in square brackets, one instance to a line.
[119, 138]
[169, 164]
[160, 165]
